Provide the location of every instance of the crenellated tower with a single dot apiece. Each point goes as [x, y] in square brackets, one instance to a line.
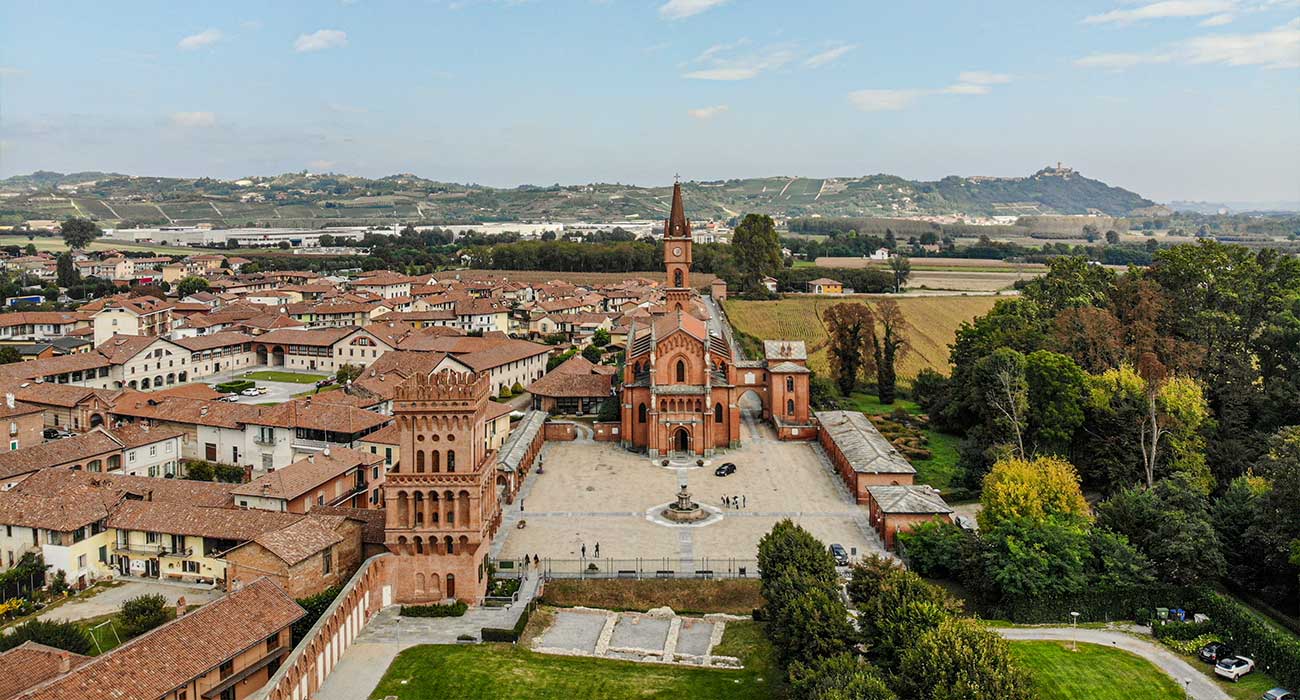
[441, 498]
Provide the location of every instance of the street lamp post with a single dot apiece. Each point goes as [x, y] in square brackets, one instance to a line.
[1074, 626]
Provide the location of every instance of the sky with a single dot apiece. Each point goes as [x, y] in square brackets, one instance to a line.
[1174, 99]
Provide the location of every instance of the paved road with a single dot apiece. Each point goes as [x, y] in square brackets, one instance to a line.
[1202, 687]
[277, 392]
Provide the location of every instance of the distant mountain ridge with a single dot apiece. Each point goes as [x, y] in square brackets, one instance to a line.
[317, 199]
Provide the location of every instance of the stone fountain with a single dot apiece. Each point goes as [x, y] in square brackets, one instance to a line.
[684, 510]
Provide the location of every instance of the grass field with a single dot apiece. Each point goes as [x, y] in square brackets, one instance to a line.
[735, 596]
[941, 468]
[505, 672]
[291, 377]
[1092, 673]
[933, 325]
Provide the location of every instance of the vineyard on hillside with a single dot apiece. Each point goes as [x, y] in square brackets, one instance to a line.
[932, 321]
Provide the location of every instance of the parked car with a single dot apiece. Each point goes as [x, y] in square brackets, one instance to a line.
[56, 434]
[251, 392]
[965, 522]
[1212, 652]
[1234, 667]
[328, 381]
[260, 390]
[1279, 694]
[229, 398]
[840, 554]
[725, 469]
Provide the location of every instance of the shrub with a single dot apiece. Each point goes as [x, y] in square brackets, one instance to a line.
[517, 388]
[68, 636]
[933, 549]
[455, 609]
[505, 392]
[143, 613]
[1275, 651]
[235, 386]
[315, 605]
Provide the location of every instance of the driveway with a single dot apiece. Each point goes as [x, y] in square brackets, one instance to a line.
[109, 600]
[277, 392]
[1202, 687]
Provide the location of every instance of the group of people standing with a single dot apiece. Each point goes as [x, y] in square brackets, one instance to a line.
[733, 502]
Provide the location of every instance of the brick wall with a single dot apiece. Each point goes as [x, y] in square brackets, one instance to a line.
[307, 577]
[559, 432]
[607, 432]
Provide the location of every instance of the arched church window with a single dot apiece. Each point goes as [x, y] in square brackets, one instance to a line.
[640, 414]
[789, 383]
[789, 407]
[419, 461]
[717, 413]
[681, 370]
[677, 278]
[451, 456]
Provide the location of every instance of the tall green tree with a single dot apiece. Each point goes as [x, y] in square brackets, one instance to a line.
[192, 285]
[888, 344]
[65, 271]
[838, 677]
[961, 660]
[756, 249]
[1056, 391]
[1171, 525]
[78, 232]
[901, 267]
[851, 328]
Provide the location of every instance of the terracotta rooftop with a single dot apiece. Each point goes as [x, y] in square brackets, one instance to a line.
[909, 500]
[65, 452]
[111, 488]
[302, 539]
[308, 474]
[30, 663]
[293, 336]
[157, 662]
[137, 434]
[373, 530]
[223, 339]
[237, 524]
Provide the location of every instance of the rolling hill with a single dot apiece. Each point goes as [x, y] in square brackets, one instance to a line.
[302, 199]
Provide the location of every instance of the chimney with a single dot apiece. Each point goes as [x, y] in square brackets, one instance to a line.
[65, 662]
[9, 400]
[311, 458]
[327, 451]
[180, 606]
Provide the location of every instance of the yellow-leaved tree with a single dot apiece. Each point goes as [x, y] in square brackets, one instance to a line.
[1036, 489]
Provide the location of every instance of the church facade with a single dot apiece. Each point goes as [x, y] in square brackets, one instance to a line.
[686, 387]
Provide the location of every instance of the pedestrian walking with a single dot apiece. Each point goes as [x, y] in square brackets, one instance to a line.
[584, 551]
[597, 550]
[726, 501]
[536, 561]
[521, 505]
[742, 501]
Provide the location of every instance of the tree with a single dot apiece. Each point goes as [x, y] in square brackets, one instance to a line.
[593, 353]
[887, 346]
[1046, 487]
[78, 233]
[901, 608]
[348, 373]
[30, 249]
[9, 355]
[192, 285]
[1005, 394]
[934, 548]
[284, 245]
[600, 338]
[1056, 387]
[851, 328]
[838, 677]
[65, 271]
[902, 268]
[1112, 237]
[68, 636]
[961, 659]
[756, 249]
[1171, 525]
[143, 613]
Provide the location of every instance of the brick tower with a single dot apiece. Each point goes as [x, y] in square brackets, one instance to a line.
[677, 254]
[441, 499]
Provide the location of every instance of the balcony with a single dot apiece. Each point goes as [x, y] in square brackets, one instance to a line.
[264, 439]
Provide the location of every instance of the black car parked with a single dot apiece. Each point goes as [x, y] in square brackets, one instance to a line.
[1215, 651]
[725, 469]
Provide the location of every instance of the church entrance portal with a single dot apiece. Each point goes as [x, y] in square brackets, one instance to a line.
[682, 440]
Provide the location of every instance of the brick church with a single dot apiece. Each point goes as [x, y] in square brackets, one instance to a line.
[686, 387]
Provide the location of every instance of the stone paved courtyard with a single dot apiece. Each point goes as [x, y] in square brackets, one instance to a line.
[594, 492]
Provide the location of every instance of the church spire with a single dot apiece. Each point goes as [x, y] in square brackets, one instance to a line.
[677, 226]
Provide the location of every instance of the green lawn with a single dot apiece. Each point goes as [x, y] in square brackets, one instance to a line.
[941, 469]
[292, 377]
[871, 405]
[1093, 673]
[507, 672]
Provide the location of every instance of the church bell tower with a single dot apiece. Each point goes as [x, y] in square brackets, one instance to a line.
[677, 252]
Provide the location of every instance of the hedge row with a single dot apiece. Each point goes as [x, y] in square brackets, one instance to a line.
[235, 386]
[453, 610]
[509, 636]
[1275, 651]
[1092, 606]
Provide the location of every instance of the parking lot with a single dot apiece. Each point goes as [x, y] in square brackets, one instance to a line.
[594, 492]
[277, 392]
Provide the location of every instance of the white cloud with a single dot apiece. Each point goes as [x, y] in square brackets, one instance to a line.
[968, 83]
[982, 77]
[720, 63]
[1275, 48]
[320, 40]
[1218, 20]
[681, 9]
[884, 100]
[191, 120]
[203, 39]
[828, 56]
[707, 112]
[1165, 9]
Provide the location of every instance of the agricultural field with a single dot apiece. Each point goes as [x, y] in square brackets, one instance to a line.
[56, 245]
[933, 325]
